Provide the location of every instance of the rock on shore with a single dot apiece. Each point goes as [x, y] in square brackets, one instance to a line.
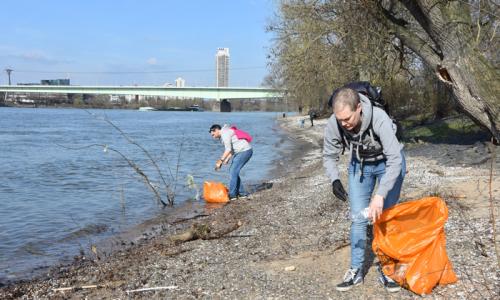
[291, 241]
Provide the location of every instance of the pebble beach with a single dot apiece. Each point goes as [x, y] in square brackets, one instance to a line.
[291, 239]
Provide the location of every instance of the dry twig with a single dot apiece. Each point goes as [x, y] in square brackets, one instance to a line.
[83, 287]
[492, 206]
[133, 165]
[149, 156]
[172, 287]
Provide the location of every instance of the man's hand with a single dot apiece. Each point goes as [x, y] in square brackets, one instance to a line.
[376, 207]
[218, 165]
[338, 190]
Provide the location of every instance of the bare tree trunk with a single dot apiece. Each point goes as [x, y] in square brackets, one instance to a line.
[476, 88]
[443, 38]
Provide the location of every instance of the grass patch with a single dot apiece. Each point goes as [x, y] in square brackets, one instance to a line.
[455, 128]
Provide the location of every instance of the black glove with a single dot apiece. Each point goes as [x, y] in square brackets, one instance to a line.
[338, 190]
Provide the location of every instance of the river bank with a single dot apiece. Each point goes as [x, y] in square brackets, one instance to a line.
[291, 241]
[59, 194]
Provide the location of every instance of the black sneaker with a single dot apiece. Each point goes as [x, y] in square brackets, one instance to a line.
[390, 285]
[352, 278]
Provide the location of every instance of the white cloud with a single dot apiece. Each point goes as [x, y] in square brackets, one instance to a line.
[152, 61]
[34, 56]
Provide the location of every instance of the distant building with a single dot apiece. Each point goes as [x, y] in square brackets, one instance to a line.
[222, 67]
[55, 82]
[134, 98]
[180, 82]
[28, 83]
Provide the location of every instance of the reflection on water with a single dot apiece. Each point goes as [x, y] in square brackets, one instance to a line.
[210, 207]
[54, 200]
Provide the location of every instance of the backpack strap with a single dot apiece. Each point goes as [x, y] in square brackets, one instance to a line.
[369, 131]
[342, 136]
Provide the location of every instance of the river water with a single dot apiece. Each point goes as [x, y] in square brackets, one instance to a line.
[62, 187]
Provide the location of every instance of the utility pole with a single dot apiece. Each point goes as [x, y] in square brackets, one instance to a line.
[8, 73]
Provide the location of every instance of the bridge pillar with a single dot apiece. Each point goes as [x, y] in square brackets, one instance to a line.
[225, 106]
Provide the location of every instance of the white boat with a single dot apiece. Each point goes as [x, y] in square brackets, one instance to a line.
[195, 107]
[147, 108]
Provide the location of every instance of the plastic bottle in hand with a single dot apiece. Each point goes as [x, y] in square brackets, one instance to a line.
[362, 215]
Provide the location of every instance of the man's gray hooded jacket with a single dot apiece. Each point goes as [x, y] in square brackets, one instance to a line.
[384, 129]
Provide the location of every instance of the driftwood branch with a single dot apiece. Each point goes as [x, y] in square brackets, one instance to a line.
[341, 245]
[218, 234]
[204, 232]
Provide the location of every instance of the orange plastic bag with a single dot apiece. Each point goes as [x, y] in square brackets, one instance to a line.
[410, 243]
[215, 192]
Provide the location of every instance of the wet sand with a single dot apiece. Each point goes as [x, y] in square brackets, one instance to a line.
[290, 241]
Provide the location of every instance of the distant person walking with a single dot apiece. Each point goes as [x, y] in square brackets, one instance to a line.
[312, 115]
[369, 134]
[236, 146]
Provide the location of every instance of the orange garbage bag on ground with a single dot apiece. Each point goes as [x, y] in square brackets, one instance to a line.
[215, 192]
[410, 243]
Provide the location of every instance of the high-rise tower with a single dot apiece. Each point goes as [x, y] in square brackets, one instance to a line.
[180, 82]
[222, 67]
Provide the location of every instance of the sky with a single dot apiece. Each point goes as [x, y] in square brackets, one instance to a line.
[132, 42]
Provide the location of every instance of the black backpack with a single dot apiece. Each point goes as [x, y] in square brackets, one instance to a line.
[375, 95]
[363, 87]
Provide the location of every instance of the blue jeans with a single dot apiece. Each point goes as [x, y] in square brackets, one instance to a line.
[360, 192]
[235, 185]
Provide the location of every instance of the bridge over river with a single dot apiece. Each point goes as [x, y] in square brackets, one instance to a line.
[222, 94]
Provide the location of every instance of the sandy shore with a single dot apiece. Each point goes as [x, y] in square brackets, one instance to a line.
[291, 241]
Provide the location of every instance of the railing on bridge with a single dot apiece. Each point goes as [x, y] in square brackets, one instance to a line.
[188, 92]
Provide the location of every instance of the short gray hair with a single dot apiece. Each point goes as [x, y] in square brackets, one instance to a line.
[346, 96]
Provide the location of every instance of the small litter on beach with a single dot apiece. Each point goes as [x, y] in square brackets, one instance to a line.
[290, 268]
